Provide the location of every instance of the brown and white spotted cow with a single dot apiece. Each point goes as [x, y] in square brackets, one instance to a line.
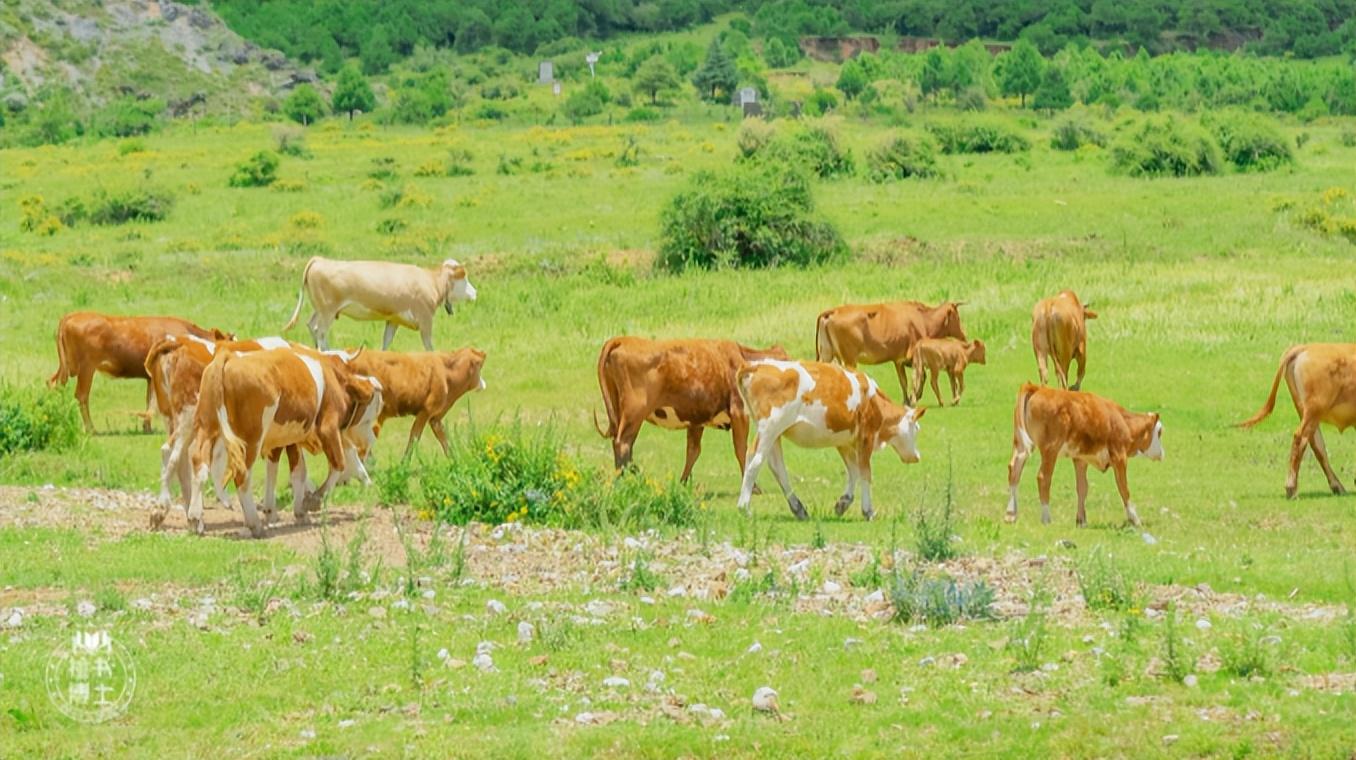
[1083, 427]
[677, 385]
[883, 332]
[422, 385]
[1322, 382]
[253, 404]
[1059, 330]
[116, 346]
[932, 356]
[819, 405]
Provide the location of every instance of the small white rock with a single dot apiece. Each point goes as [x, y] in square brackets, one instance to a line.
[443, 654]
[754, 648]
[849, 643]
[1148, 538]
[1170, 739]
[927, 661]
[1203, 625]
[799, 568]
[495, 607]
[484, 663]
[616, 682]
[85, 608]
[347, 723]
[525, 631]
[1190, 681]
[647, 600]
[875, 597]
[598, 608]
[308, 733]
[831, 587]
[677, 591]
[765, 699]
[584, 718]
[16, 618]
[716, 713]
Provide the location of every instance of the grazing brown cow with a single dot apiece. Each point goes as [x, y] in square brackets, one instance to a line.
[935, 355]
[883, 332]
[256, 403]
[1059, 329]
[1086, 428]
[424, 385]
[116, 346]
[1322, 382]
[677, 385]
[819, 405]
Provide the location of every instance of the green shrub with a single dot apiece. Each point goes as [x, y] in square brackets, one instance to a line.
[937, 601]
[391, 225]
[383, 169]
[759, 215]
[1250, 143]
[1103, 584]
[37, 421]
[1349, 138]
[813, 147]
[1166, 147]
[934, 529]
[259, 170]
[128, 117]
[903, 156]
[978, 136]
[1247, 651]
[490, 112]
[1177, 661]
[128, 147]
[641, 115]
[291, 141]
[1030, 634]
[754, 136]
[1072, 134]
[140, 205]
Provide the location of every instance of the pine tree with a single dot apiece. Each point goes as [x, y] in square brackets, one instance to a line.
[717, 73]
[1053, 94]
[1022, 70]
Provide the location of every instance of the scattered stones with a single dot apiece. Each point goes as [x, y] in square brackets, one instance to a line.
[862, 696]
[851, 643]
[1203, 625]
[598, 608]
[831, 587]
[927, 662]
[754, 648]
[525, 632]
[85, 608]
[616, 682]
[1170, 739]
[647, 600]
[483, 661]
[347, 723]
[1148, 538]
[765, 700]
[868, 676]
[677, 591]
[495, 607]
[15, 619]
[1190, 681]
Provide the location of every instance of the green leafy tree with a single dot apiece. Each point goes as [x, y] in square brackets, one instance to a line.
[352, 93]
[1053, 94]
[717, 73]
[851, 79]
[304, 105]
[1022, 70]
[655, 78]
[779, 54]
[377, 53]
[933, 76]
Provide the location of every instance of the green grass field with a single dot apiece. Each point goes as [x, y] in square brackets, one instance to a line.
[1200, 285]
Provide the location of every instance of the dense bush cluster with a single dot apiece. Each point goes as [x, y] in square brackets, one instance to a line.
[1072, 134]
[259, 170]
[1249, 142]
[1166, 146]
[754, 215]
[812, 146]
[903, 156]
[978, 136]
[104, 207]
[35, 421]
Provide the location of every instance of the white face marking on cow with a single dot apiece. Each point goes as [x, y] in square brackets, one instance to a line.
[271, 343]
[317, 376]
[209, 345]
[905, 438]
[1155, 450]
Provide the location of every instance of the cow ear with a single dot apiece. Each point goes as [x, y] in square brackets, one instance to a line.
[1089, 313]
[919, 412]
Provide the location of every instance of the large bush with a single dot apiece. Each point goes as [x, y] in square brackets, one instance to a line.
[813, 146]
[259, 170]
[1072, 134]
[120, 207]
[126, 117]
[1250, 143]
[903, 156]
[978, 136]
[1166, 147]
[36, 421]
[754, 215]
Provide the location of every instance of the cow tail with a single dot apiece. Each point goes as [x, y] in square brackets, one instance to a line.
[301, 295]
[1021, 438]
[743, 379]
[63, 372]
[823, 343]
[1286, 361]
[212, 400]
[609, 393]
[155, 370]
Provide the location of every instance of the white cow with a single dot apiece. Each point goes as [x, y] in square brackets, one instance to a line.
[401, 295]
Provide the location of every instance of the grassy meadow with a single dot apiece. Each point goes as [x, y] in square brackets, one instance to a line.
[1200, 285]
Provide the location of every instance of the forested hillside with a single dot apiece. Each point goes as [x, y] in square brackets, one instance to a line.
[381, 32]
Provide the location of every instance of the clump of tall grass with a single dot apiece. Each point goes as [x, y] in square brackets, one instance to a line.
[937, 600]
[1166, 146]
[903, 156]
[259, 170]
[978, 136]
[1103, 583]
[37, 421]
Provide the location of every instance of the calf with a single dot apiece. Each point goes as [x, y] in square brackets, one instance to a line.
[116, 346]
[1322, 382]
[933, 355]
[1086, 428]
[818, 406]
[677, 385]
[424, 385]
[883, 332]
[1059, 329]
[261, 402]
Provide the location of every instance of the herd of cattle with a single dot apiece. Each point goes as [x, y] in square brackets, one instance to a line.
[226, 402]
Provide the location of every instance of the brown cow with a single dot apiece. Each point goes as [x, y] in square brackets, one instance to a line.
[819, 405]
[424, 385]
[675, 384]
[116, 346]
[883, 332]
[1059, 329]
[256, 403]
[1322, 382]
[934, 355]
[1086, 428]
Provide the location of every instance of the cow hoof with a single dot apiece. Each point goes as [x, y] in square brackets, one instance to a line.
[869, 515]
[756, 490]
[1010, 517]
[198, 527]
[157, 519]
[1338, 489]
[798, 509]
[301, 518]
[257, 531]
[842, 505]
[1290, 492]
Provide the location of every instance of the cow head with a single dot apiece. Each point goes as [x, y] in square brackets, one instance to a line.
[1148, 429]
[459, 288]
[900, 432]
[946, 322]
[976, 353]
[464, 367]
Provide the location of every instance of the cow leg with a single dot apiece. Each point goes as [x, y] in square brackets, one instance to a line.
[1321, 454]
[849, 464]
[150, 408]
[271, 486]
[388, 336]
[769, 431]
[1043, 480]
[426, 334]
[904, 381]
[319, 325]
[416, 431]
[628, 429]
[957, 386]
[243, 490]
[1297, 446]
[1062, 372]
[83, 381]
[1041, 367]
[1082, 361]
[1081, 481]
[296, 465]
[438, 432]
[203, 452]
[935, 390]
[694, 449]
[1015, 465]
[778, 466]
[1123, 485]
[739, 431]
[918, 374]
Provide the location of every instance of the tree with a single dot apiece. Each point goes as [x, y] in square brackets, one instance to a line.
[851, 79]
[304, 105]
[1022, 70]
[717, 73]
[352, 93]
[656, 77]
[377, 54]
[778, 54]
[1053, 94]
[933, 76]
